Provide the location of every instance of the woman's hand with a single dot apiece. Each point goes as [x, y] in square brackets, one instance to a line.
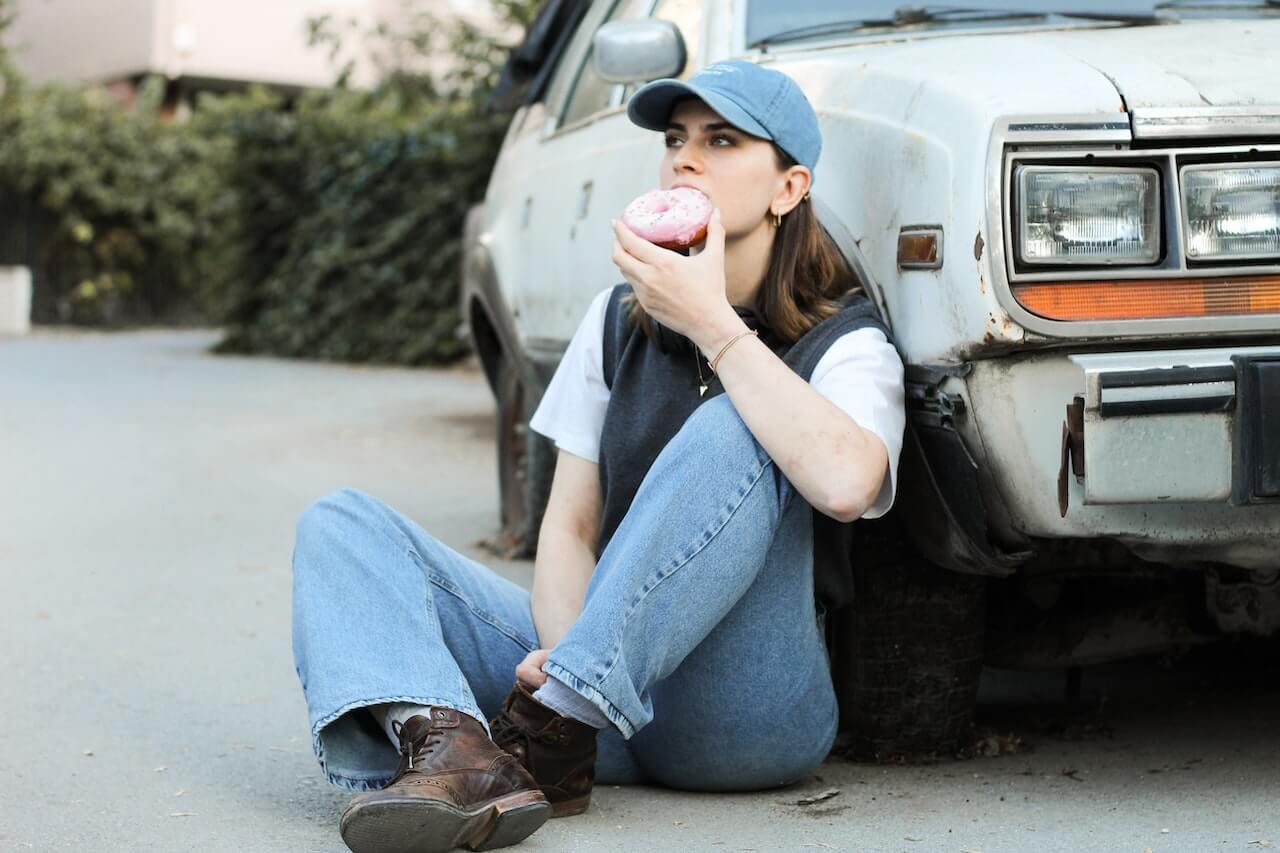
[685, 294]
[529, 671]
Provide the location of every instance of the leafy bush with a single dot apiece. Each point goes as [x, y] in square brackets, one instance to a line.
[345, 241]
[118, 202]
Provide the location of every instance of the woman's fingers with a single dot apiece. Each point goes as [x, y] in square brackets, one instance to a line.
[529, 671]
[624, 261]
[715, 235]
[637, 246]
[663, 280]
[631, 268]
[529, 677]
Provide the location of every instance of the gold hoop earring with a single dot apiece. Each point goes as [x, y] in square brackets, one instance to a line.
[777, 220]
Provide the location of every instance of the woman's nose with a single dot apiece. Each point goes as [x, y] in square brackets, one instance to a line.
[685, 162]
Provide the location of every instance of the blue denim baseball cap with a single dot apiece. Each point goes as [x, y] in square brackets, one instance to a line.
[754, 99]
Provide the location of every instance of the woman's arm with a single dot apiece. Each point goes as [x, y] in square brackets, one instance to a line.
[835, 464]
[566, 547]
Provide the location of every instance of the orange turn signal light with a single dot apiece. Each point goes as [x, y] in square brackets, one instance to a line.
[1148, 299]
[920, 249]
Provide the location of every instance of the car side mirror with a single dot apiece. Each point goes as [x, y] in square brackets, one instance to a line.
[638, 51]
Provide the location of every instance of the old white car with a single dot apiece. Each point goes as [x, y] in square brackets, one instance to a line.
[1069, 216]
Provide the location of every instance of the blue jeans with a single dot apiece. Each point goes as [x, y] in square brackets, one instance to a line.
[698, 637]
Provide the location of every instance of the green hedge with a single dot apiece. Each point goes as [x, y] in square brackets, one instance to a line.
[346, 237]
[110, 206]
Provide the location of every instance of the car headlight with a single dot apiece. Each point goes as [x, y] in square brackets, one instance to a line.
[1084, 215]
[1231, 211]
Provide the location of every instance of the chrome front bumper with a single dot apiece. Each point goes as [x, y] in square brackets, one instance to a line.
[1175, 453]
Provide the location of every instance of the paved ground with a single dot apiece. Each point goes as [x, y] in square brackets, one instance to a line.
[149, 492]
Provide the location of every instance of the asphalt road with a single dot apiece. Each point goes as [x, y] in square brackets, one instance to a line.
[149, 493]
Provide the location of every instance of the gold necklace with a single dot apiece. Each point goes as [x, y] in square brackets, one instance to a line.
[697, 362]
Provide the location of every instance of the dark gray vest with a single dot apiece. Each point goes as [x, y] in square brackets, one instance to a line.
[653, 390]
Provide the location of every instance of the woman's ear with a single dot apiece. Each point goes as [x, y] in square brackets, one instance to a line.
[799, 179]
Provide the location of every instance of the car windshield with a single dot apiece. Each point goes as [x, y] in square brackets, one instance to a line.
[789, 20]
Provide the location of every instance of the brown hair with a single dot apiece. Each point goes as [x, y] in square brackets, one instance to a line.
[806, 277]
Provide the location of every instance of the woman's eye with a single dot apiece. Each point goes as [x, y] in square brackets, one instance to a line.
[672, 140]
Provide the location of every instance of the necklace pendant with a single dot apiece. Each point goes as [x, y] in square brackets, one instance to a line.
[702, 389]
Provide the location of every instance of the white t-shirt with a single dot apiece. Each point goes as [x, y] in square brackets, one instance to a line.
[860, 372]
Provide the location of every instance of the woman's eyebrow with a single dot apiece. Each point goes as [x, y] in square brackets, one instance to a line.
[717, 125]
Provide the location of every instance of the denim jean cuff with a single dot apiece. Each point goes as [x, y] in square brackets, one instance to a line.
[593, 695]
[362, 775]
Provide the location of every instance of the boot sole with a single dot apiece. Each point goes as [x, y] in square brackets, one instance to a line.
[417, 825]
[568, 808]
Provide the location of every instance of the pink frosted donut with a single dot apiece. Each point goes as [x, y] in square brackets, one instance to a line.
[673, 219]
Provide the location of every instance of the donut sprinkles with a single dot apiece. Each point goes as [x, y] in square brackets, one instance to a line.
[672, 219]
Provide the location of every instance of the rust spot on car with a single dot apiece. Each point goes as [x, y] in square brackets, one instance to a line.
[977, 247]
[1001, 331]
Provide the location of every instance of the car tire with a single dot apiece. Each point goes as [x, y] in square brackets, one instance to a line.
[526, 462]
[907, 656]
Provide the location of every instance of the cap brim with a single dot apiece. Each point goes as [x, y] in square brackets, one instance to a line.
[650, 107]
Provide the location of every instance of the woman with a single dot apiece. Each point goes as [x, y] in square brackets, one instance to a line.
[719, 418]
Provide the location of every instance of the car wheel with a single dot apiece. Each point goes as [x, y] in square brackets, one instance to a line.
[908, 656]
[526, 461]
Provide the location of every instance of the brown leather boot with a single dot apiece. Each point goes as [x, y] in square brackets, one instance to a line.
[560, 752]
[454, 787]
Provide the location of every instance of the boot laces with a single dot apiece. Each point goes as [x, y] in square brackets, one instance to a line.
[506, 731]
[419, 748]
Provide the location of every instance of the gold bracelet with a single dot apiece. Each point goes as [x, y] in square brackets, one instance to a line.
[724, 348]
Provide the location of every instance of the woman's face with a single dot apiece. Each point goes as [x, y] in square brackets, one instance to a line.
[737, 171]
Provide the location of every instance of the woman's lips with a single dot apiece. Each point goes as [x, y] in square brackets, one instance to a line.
[692, 187]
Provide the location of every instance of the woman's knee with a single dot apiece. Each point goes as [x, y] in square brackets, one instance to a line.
[330, 512]
[718, 420]
[342, 513]
[713, 433]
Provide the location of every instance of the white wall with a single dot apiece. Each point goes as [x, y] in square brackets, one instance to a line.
[81, 39]
[262, 40]
[243, 40]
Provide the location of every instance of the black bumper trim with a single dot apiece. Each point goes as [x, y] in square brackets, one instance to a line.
[1180, 375]
[1256, 475]
[1174, 406]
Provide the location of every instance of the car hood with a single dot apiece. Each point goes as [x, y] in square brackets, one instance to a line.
[1076, 70]
[1202, 63]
